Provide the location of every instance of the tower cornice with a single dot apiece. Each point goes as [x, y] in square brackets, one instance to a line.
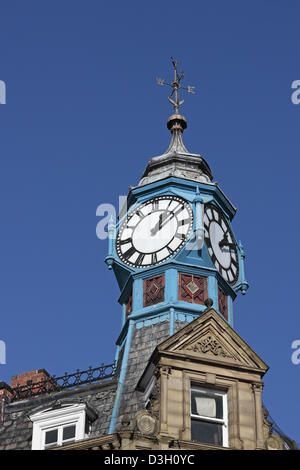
[143, 192]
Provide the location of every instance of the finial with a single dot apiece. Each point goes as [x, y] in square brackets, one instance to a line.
[175, 85]
[208, 303]
[176, 123]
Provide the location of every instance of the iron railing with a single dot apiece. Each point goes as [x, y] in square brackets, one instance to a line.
[55, 384]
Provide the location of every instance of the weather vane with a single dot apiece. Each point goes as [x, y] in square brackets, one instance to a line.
[175, 85]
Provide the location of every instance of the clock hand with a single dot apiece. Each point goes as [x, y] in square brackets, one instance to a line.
[161, 222]
[225, 242]
[166, 217]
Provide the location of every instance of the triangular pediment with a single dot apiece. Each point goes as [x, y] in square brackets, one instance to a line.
[211, 338]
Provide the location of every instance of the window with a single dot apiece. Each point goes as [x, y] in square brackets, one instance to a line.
[59, 436]
[209, 416]
[61, 425]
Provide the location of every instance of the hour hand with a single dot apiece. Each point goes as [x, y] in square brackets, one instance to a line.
[160, 223]
[225, 242]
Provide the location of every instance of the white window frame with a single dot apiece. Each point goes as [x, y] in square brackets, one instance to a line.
[48, 420]
[223, 421]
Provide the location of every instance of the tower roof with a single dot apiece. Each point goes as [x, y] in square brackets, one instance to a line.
[177, 161]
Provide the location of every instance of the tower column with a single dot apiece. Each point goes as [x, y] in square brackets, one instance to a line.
[212, 288]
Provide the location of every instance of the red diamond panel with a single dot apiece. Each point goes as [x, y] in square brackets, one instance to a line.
[192, 288]
[154, 290]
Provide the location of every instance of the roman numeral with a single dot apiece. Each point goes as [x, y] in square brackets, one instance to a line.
[181, 236]
[171, 200]
[124, 242]
[129, 252]
[154, 258]
[140, 259]
[155, 205]
[140, 215]
[179, 208]
[185, 221]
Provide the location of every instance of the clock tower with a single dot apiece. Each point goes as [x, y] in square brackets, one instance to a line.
[173, 252]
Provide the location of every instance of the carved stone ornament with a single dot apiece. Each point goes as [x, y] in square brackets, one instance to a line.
[153, 406]
[145, 423]
[209, 345]
[273, 441]
[125, 422]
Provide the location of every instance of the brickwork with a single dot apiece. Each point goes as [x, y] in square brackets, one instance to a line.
[25, 378]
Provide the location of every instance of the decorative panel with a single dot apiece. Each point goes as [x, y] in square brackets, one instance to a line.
[223, 303]
[192, 288]
[154, 290]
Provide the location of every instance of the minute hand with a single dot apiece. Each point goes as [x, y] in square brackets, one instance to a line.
[164, 218]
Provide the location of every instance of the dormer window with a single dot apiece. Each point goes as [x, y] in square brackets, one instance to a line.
[61, 425]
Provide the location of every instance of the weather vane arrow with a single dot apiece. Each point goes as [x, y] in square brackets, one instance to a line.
[176, 86]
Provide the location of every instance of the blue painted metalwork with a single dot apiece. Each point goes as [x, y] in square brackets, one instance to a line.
[212, 288]
[243, 284]
[109, 260]
[230, 310]
[199, 229]
[172, 321]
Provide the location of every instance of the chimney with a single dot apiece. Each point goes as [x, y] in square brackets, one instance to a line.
[28, 378]
[5, 394]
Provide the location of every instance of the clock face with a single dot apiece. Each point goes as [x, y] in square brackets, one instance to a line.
[220, 243]
[154, 231]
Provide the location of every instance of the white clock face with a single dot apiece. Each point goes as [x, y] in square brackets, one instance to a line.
[154, 231]
[221, 244]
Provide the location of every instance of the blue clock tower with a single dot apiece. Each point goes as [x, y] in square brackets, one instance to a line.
[173, 252]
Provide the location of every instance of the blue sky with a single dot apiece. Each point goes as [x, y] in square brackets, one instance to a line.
[84, 115]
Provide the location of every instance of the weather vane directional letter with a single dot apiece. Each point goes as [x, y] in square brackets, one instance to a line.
[175, 85]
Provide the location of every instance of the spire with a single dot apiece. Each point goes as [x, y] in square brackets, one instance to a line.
[176, 124]
[176, 161]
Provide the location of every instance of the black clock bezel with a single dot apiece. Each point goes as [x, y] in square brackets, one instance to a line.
[214, 259]
[154, 262]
